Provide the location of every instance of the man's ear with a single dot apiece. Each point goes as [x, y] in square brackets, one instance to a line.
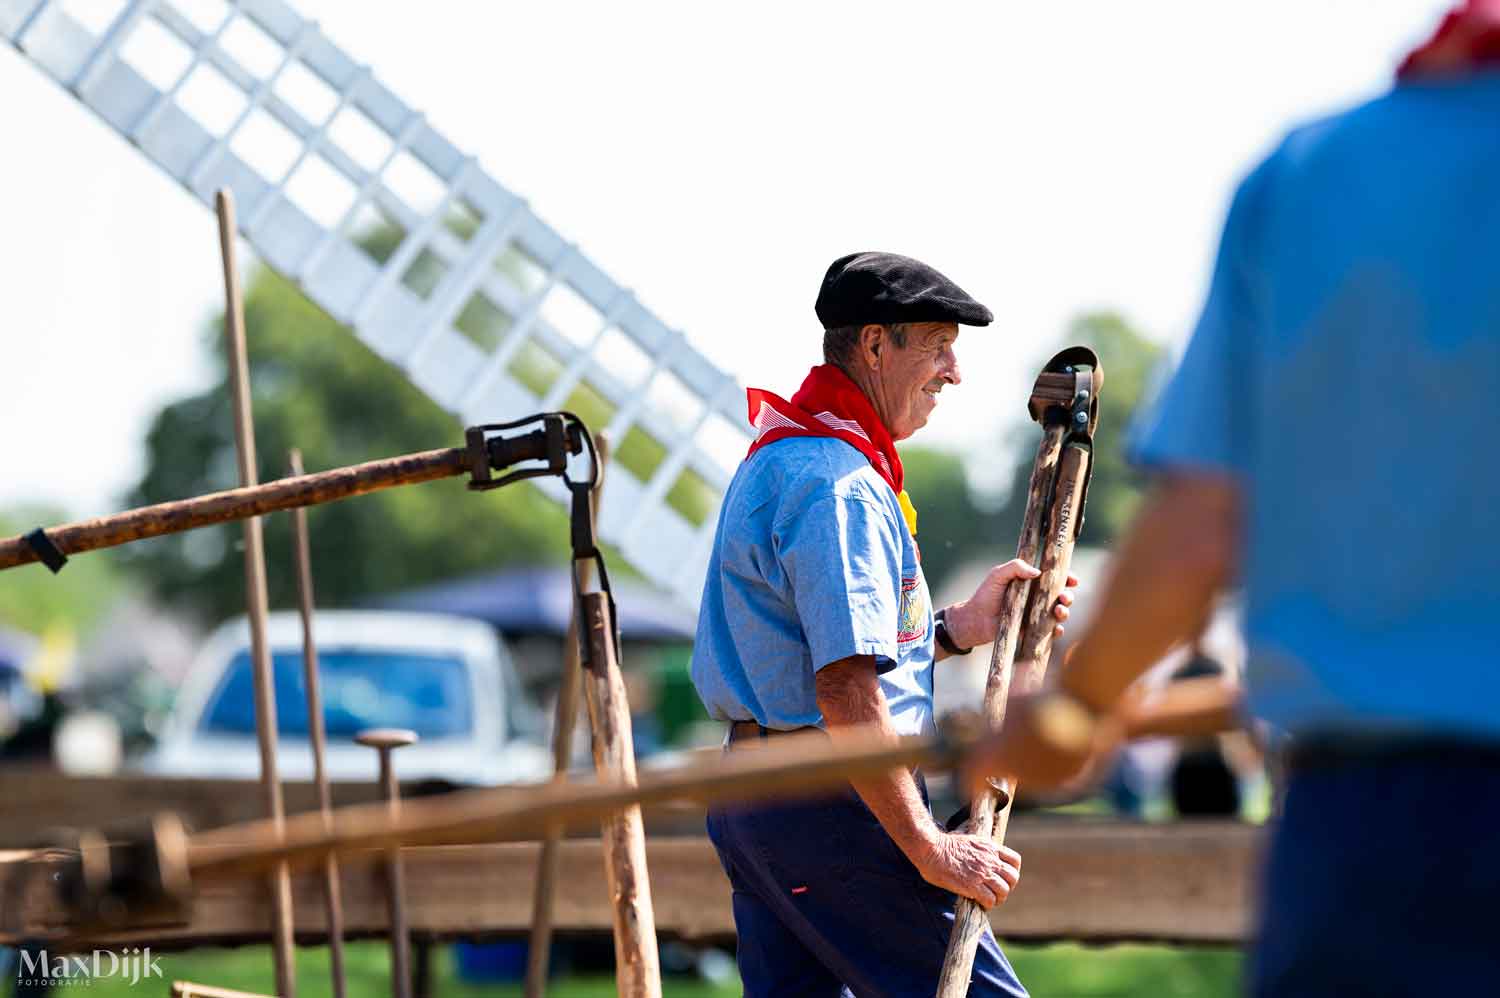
[871, 341]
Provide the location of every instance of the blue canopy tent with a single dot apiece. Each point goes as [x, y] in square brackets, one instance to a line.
[540, 601]
[15, 650]
[18, 702]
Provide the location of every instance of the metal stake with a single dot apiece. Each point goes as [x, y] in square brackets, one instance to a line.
[385, 741]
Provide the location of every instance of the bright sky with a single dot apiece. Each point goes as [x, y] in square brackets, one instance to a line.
[1051, 158]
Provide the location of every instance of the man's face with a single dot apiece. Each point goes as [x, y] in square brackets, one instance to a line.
[907, 379]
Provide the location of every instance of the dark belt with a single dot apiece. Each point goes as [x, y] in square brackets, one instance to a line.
[741, 731]
[1309, 752]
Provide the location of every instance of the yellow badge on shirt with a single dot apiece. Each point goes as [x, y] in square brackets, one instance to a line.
[908, 510]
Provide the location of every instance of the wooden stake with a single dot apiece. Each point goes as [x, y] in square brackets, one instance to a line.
[538, 954]
[637, 966]
[255, 592]
[332, 896]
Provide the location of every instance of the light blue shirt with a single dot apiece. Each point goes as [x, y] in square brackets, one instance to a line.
[1346, 370]
[812, 562]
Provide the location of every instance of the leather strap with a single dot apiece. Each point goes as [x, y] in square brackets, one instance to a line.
[942, 635]
[47, 552]
[742, 731]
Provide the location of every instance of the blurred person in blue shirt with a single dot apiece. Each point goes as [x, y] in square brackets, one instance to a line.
[1326, 439]
[815, 615]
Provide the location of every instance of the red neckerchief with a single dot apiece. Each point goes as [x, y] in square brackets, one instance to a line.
[828, 404]
[1468, 39]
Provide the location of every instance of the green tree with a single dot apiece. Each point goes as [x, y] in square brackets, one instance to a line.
[951, 523]
[317, 388]
[1115, 492]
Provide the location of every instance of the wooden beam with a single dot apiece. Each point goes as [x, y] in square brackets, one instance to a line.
[1093, 881]
[188, 989]
[57, 801]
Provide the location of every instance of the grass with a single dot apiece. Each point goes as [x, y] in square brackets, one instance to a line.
[1065, 970]
[1069, 970]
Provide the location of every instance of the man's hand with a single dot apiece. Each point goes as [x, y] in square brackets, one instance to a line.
[973, 866]
[976, 621]
[1047, 742]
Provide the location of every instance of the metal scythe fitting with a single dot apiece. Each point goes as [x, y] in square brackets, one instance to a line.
[561, 434]
[1066, 393]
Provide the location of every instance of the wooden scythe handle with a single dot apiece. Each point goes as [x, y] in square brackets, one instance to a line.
[238, 504]
[1049, 528]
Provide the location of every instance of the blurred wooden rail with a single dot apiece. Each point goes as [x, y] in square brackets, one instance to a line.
[56, 801]
[1091, 881]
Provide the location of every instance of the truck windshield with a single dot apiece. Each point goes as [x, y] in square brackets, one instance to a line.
[361, 689]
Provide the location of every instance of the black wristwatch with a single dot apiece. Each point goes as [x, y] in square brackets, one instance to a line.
[944, 639]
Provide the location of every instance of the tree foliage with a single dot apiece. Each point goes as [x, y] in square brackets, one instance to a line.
[35, 600]
[951, 524]
[317, 388]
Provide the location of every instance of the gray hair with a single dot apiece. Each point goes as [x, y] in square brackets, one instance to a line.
[840, 341]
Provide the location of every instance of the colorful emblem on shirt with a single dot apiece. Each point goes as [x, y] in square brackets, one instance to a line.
[913, 624]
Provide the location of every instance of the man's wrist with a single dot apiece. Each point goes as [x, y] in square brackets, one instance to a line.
[920, 841]
[958, 622]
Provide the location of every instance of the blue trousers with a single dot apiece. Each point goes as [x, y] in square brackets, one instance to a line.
[825, 904]
[1383, 881]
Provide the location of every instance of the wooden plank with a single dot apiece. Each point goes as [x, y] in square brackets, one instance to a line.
[188, 989]
[1099, 882]
[57, 801]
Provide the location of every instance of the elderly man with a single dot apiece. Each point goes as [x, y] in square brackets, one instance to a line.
[815, 615]
[1327, 440]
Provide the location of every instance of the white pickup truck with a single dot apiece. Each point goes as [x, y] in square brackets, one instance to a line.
[449, 679]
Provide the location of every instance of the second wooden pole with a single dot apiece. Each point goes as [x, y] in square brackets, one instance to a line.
[256, 601]
[1024, 673]
[565, 719]
[637, 965]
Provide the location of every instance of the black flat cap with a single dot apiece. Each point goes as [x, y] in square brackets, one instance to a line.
[886, 288]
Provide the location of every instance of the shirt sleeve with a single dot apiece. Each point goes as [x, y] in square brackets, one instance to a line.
[1200, 418]
[842, 560]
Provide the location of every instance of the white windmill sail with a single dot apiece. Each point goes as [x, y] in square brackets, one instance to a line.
[480, 303]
